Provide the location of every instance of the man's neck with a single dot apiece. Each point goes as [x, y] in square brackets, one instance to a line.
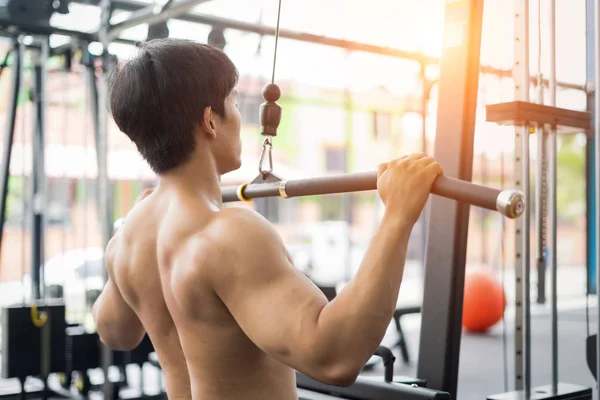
[198, 176]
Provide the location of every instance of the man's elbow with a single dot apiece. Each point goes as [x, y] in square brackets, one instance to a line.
[342, 375]
[336, 368]
[334, 371]
[116, 343]
[115, 339]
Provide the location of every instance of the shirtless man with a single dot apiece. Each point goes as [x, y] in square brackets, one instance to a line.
[229, 315]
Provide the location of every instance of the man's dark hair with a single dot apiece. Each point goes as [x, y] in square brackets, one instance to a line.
[159, 96]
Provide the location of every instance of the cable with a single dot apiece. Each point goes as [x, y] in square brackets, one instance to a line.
[503, 282]
[587, 313]
[23, 191]
[5, 62]
[65, 109]
[276, 42]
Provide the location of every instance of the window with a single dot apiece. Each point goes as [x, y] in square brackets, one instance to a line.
[332, 207]
[382, 125]
[268, 207]
[335, 159]
[249, 106]
[17, 206]
[61, 195]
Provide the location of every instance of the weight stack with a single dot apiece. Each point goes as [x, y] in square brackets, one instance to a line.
[22, 342]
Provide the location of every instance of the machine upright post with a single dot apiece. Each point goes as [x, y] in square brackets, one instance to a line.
[104, 206]
[522, 234]
[552, 182]
[541, 178]
[16, 71]
[597, 163]
[38, 174]
[439, 347]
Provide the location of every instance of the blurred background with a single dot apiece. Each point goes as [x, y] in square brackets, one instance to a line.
[343, 111]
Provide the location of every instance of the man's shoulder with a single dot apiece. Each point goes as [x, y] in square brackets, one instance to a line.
[240, 223]
[235, 233]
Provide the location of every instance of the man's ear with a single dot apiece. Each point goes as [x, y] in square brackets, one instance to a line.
[208, 123]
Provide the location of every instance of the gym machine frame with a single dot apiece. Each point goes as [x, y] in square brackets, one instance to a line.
[593, 174]
[38, 195]
[525, 116]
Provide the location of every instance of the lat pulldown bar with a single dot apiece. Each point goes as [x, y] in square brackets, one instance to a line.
[508, 202]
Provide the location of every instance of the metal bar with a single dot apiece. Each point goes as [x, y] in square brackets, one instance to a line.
[540, 186]
[426, 87]
[439, 347]
[101, 134]
[16, 71]
[38, 184]
[23, 28]
[540, 212]
[589, 153]
[12, 28]
[597, 165]
[153, 15]
[264, 30]
[521, 77]
[365, 388]
[552, 183]
[507, 202]
[92, 83]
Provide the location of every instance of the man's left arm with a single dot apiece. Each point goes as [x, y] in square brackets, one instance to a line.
[118, 326]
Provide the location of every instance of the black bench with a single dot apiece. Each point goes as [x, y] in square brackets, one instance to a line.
[399, 313]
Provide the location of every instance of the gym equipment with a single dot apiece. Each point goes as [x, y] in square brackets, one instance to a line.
[484, 302]
[17, 71]
[509, 203]
[454, 150]
[37, 342]
[439, 346]
[596, 162]
[39, 11]
[83, 350]
[367, 389]
[266, 184]
[33, 342]
[401, 343]
[524, 115]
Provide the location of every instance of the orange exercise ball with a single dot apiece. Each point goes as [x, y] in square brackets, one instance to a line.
[484, 302]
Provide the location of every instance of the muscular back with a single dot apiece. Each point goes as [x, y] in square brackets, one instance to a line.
[162, 262]
[229, 315]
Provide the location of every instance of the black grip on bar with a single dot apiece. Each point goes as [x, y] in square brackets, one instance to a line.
[388, 361]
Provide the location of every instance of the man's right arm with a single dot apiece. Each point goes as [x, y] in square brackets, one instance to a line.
[287, 316]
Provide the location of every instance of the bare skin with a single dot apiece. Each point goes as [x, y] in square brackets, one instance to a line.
[229, 315]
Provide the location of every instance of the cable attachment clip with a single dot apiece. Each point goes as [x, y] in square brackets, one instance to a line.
[267, 147]
[270, 117]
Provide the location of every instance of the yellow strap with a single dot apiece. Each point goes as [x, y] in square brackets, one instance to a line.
[240, 193]
[38, 319]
